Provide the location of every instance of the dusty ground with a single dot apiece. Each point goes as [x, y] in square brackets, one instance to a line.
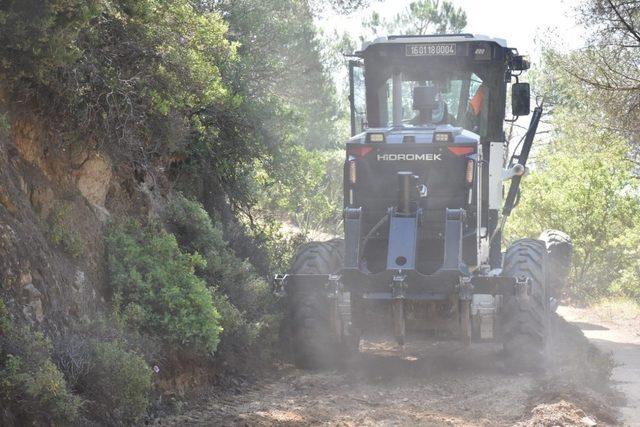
[430, 384]
[617, 332]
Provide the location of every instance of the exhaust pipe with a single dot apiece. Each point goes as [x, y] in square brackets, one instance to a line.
[407, 192]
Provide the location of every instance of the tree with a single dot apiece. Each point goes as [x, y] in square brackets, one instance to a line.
[421, 17]
[341, 6]
[584, 185]
[609, 62]
[586, 179]
[125, 74]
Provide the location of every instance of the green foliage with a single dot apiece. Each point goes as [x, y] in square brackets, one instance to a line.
[609, 62]
[156, 288]
[280, 65]
[222, 269]
[315, 202]
[243, 298]
[584, 185]
[586, 180]
[626, 282]
[421, 17]
[118, 383]
[61, 232]
[162, 83]
[117, 71]
[150, 78]
[32, 389]
[103, 361]
[222, 94]
[37, 393]
[342, 6]
[283, 99]
[188, 220]
[39, 36]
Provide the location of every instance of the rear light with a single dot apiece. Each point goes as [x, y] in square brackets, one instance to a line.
[461, 151]
[359, 150]
[470, 167]
[352, 171]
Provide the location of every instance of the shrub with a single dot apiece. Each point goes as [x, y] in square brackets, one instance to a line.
[584, 185]
[104, 363]
[311, 195]
[32, 389]
[57, 47]
[230, 275]
[156, 289]
[118, 383]
[244, 299]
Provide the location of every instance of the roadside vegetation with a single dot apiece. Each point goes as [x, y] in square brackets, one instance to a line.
[619, 310]
[584, 183]
[230, 106]
[586, 176]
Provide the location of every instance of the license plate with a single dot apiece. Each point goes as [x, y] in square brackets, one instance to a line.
[445, 49]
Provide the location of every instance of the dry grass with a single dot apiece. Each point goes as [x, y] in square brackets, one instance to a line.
[617, 310]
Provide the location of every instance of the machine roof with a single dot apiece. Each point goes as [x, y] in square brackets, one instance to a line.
[433, 38]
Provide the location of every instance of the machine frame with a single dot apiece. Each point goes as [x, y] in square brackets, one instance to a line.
[472, 258]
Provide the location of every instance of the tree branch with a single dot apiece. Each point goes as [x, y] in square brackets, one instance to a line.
[624, 22]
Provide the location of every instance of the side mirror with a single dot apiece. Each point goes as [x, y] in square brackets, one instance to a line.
[520, 99]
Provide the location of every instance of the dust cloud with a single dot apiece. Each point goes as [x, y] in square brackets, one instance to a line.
[429, 383]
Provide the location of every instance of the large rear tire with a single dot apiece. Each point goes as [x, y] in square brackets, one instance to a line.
[525, 318]
[559, 259]
[315, 344]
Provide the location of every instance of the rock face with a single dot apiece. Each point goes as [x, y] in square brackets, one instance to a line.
[27, 139]
[40, 281]
[94, 178]
[56, 198]
[33, 304]
[42, 199]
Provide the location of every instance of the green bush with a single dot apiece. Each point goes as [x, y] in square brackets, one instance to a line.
[626, 282]
[32, 389]
[310, 195]
[584, 184]
[118, 383]
[156, 58]
[104, 363]
[155, 287]
[244, 299]
[230, 275]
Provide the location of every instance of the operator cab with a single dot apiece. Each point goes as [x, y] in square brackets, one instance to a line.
[459, 78]
[431, 106]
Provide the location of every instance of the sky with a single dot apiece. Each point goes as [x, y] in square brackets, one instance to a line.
[525, 24]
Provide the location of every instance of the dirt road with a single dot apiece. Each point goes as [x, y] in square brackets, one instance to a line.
[620, 337]
[430, 384]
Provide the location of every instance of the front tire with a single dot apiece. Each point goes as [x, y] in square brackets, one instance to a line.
[525, 318]
[315, 344]
[559, 259]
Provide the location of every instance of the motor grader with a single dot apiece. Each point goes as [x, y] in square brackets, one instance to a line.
[429, 181]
